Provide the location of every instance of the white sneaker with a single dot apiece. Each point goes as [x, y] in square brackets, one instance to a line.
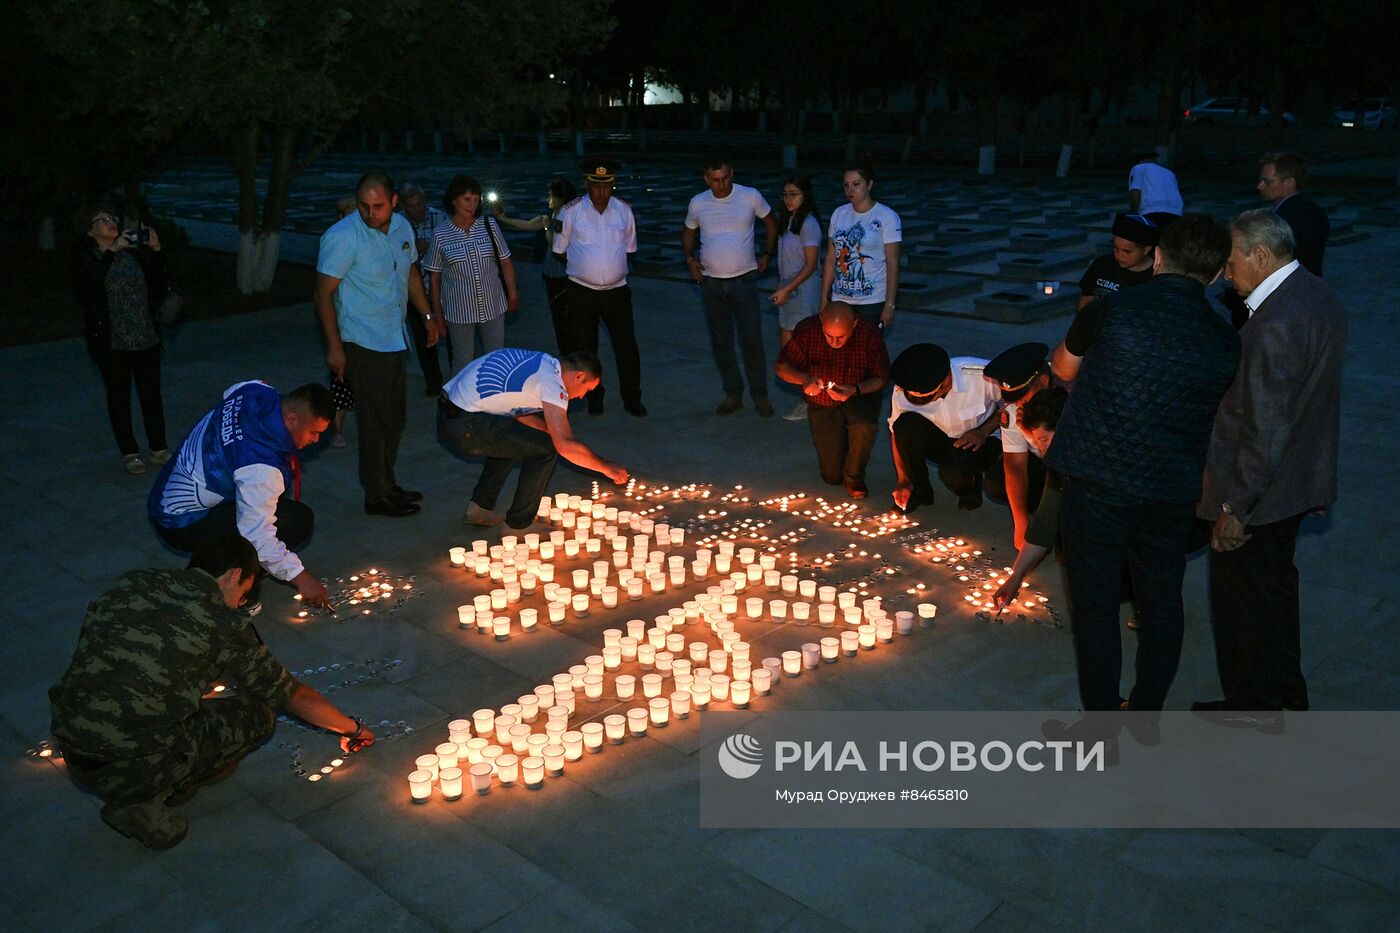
[797, 414]
[134, 464]
[160, 456]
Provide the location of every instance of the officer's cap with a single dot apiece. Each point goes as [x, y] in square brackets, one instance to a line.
[921, 368]
[1015, 369]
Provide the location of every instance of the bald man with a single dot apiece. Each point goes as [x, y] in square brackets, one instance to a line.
[842, 366]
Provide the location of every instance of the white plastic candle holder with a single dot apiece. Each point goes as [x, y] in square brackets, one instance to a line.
[450, 782]
[850, 642]
[927, 612]
[553, 760]
[851, 616]
[594, 663]
[660, 711]
[593, 686]
[762, 680]
[508, 770]
[718, 659]
[846, 600]
[503, 724]
[675, 642]
[428, 763]
[646, 655]
[573, 745]
[472, 750]
[500, 627]
[565, 698]
[719, 687]
[519, 738]
[739, 693]
[466, 616]
[420, 785]
[664, 660]
[447, 755]
[626, 685]
[801, 612]
[615, 725]
[738, 650]
[637, 722]
[812, 652]
[700, 694]
[866, 635]
[528, 619]
[628, 645]
[826, 614]
[740, 670]
[680, 704]
[609, 596]
[651, 685]
[792, 663]
[532, 772]
[592, 736]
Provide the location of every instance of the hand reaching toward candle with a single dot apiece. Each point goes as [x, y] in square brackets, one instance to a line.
[358, 740]
[901, 494]
[813, 386]
[841, 392]
[311, 590]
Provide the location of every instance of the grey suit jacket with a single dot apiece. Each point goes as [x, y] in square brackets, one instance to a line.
[1273, 448]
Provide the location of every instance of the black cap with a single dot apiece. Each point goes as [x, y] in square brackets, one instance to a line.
[600, 170]
[1136, 228]
[1015, 369]
[921, 368]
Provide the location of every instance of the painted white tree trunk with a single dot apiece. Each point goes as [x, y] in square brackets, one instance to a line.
[789, 157]
[986, 160]
[1066, 153]
[47, 240]
[258, 254]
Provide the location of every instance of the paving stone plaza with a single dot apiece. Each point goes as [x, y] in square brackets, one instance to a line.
[614, 841]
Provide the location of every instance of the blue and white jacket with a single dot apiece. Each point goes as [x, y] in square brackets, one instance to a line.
[241, 451]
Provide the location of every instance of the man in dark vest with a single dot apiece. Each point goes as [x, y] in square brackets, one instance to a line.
[1149, 365]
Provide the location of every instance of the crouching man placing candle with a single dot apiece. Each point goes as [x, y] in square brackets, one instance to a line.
[513, 406]
[131, 712]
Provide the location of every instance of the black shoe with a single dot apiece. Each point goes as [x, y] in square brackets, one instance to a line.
[635, 408]
[1085, 731]
[595, 406]
[1145, 727]
[1228, 713]
[408, 495]
[392, 507]
[763, 407]
[731, 404]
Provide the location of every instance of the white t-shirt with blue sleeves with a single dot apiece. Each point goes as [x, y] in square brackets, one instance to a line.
[509, 382]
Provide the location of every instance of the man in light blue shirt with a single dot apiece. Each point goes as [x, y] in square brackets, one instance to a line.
[366, 272]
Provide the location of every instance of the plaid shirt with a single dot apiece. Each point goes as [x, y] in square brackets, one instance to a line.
[861, 357]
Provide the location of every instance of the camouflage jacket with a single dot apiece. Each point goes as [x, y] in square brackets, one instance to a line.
[147, 652]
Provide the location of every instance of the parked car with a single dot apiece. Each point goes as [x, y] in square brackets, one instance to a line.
[1370, 113]
[1227, 111]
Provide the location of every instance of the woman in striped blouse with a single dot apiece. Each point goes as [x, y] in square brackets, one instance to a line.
[471, 279]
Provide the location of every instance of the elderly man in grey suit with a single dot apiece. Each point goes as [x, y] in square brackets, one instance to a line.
[1272, 460]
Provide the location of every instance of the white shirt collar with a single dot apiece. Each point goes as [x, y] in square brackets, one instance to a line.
[1266, 288]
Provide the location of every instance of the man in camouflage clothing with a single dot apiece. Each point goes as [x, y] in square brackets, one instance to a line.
[130, 712]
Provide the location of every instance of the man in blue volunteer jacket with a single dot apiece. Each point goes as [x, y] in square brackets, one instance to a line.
[238, 472]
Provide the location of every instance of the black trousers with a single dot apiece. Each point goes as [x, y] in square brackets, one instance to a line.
[920, 442]
[119, 368]
[378, 381]
[557, 291]
[1103, 531]
[295, 522]
[844, 435]
[587, 307]
[428, 356]
[1255, 619]
[995, 481]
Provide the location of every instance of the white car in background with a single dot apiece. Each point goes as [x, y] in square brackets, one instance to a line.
[1227, 111]
[1370, 113]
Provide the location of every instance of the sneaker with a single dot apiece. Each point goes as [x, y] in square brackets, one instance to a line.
[134, 464]
[763, 407]
[798, 413]
[339, 442]
[160, 456]
[731, 404]
[476, 515]
[149, 823]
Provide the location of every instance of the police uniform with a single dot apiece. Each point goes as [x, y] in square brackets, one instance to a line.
[924, 433]
[596, 246]
[1013, 371]
[129, 712]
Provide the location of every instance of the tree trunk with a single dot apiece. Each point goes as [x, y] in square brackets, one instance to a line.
[260, 252]
[245, 166]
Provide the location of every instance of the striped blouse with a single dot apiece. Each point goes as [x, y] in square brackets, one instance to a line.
[470, 278]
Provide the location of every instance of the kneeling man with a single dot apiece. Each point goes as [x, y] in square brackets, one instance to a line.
[841, 364]
[513, 405]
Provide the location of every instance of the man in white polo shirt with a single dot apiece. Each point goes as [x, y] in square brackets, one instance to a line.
[1153, 191]
[721, 220]
[512, 406]
[942, 411]
[595, 235]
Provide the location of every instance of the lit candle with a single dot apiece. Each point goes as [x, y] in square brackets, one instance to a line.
[554, 760]
[846, 600]
[866, 634]
[480, 547]
[792, 663]
[927, 611]
[660, 708]
[811, 655]
[852, 615]
[651, 685]
[592, 736]
[420, 785]
[528, 618]
[634, 589]
[718, 659]
[427, 763]
[450, 780]
[593, 686]
[626, 685]
[884, 630]
[719, 686]
[722, 563]
[827, 594]
[532, 772]
[850, 642]
[612, 657]
[519, 738]
[609, 596]
[830, 646]
[501, 627]
[675, 642]
[615, 724]
[503, 724]
[473, 749]
[458, 556]
[753, 607]
[460, 739]
[580, 604]
[808, 588]
[594, 663]
[637, 722]
[826, 614]
[507, 770]
[571, 548]
[801, 612]
[573, 745]
[556, 613]
[498, 599]
[788, 582]
[680, 704]
[447, 754]
[646, 655]
[663, 661]
[545, 694]
[762, 680]
[565, 698]
[739, 691]
[628, 644]
[700, 693]
[466, 616]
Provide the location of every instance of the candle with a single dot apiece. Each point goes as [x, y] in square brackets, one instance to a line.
[629, 648]
[719, 686]
[846, 600]
[528, 618]
[490, 753]
[740, 670]
[658, 582]
[700, 693]
[663, 661]
[792, 663]
[762, 681]
[826, 614]
[480, 547]
[850, 642]
[544, 693]
[427, 763]
[555, 728]
[801, 612]
[660, 709]
[777, 608]
[535, 743]
[460, 739]
[680, 704]
[718, 659]
[675, 642]
[615, 724]
[700, 569]
[612, 657]
[562, 682]
[532, 540]
[651, 685]
[827, 594]
[739, 691]
[580, 578]
[573, 745]
[738, 650]
[498, 599]
[473, 749]
[812, 653]
[480, 773]
[609, 596]
[532, 772]
[593, 686]
[565, 698]
[500, 626]
[447, 754]
[450, 780]
[729, 604]
[884, 630]
[927, 611]
[466, 616]
[904, 621]
[553, 760]
[594, 663]
[852, 615]
[503, 724]
[722, 562]
[808, 588]
[646, 655]
[420, 785]
[753, 573]
[680, 666]
[753, 607]
[637, 722]
[580, 603]
[507, 770]
[634, 589]
[626, 685]
[547, 553]
[519, 738]
[592, 736]
[571, 548]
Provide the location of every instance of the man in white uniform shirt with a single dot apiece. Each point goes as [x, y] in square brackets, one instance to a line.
[1019, 373]
[512, 406]
[720, 220]
[1153, 191]
[942, 410]
[596, 233]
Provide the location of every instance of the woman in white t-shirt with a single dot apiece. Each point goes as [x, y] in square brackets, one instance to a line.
[862, 254]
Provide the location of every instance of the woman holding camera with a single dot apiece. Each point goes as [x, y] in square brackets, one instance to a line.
[471, 279]
[119, 280]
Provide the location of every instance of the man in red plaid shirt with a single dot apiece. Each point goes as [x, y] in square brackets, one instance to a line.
[842, 366]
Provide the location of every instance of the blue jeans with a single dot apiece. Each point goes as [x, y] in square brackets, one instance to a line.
[1103, 531]
[731, 305]
[503, 441]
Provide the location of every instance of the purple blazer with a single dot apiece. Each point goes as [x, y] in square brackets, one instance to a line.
[1273, 448]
